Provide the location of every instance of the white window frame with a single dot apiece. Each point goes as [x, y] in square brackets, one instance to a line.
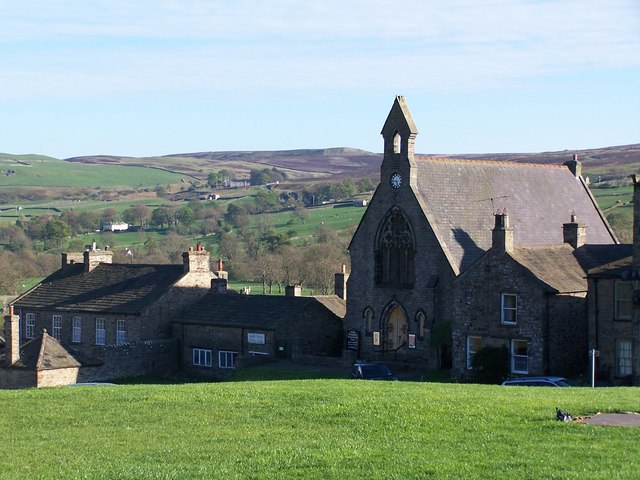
[76, 332]
[516, 360]
[202, 357]
[56, 327]
[472, 351]
[624, 358]
[121, 332]
[101, 331]
[504, 309]
[623, 296]
[30, 325]
[226, 359]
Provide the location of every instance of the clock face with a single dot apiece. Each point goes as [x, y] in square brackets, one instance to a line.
[396, 180]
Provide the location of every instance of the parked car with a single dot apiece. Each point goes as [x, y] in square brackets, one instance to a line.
[537, 382]
[372, 371]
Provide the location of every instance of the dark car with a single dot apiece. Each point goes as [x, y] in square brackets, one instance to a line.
[372, 371]
[538, 382]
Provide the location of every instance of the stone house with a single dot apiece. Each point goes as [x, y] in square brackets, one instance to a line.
[614, 310]
[224, 330]
[117, 315]
[530, 299]
[430, 220]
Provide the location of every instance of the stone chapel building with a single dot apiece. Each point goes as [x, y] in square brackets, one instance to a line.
[429, 221]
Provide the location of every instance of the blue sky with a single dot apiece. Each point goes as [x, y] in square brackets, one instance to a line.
[127, 77]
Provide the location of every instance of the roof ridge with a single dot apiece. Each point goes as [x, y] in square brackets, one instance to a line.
[43, 342]
[510, 163]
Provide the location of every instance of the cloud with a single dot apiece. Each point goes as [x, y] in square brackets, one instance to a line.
[71, 49]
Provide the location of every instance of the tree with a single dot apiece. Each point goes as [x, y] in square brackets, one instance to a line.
[365, 185]
[142, 214]
[108, 215]
[161, 216]
[266, 201]
[301, 214]
[56, 231]
[150, 245]
[185, 216]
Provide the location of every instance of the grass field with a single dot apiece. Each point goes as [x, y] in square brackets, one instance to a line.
[316, 429]
[35, 171]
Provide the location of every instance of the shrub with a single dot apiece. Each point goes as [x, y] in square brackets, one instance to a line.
[491, 364]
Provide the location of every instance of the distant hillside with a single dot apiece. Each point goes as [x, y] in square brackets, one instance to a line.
[300, 165]
[317, 164]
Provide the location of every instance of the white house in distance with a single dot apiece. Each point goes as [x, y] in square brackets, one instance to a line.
[116, 227]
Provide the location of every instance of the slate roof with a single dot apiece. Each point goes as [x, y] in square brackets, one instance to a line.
[253, 311]
[554, 265]
[460, 198]
[618, 268]
[109, 288]
[564, 269]
[46, 353]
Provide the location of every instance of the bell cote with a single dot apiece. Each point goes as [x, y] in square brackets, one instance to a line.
[399, 134]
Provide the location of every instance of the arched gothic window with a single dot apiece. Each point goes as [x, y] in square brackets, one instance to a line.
[397, 143]
[368, 319]
[395, 251]
[420, 320]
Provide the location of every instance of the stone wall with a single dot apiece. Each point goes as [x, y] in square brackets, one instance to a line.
[554, 326]
[149, 357]
[568, 345]
[605, 329]
[430, 294]
[14, 378]
[57, 377]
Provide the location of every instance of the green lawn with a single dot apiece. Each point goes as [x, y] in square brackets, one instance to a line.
[316, 429]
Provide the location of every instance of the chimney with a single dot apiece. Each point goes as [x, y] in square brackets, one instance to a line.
[502, 233]
[12, 334]
[635, 266]
[340, 287]
[220, 270]
[575, 166]
[94, 257]
[573, 233]
[71, 258]
[219, 286]
[293, 291]
[196, 261]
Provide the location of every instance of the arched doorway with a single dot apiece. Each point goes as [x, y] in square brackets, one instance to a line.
[397, 328]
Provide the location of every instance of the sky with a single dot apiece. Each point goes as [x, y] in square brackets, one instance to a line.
[156, 77]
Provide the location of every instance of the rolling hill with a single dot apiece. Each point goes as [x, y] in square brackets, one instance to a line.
[335, 163]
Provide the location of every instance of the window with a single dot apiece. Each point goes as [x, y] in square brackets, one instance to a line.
[100, 331]
[76, 334]
[624, 300]
[30, 325]
[474, 344]
[397, 143]
[201, 357]
[368, 320]
[519, 356]
[121, 332]
[57, 327]
[226, 359]
[395, 251]
[509, 308]
[623, 358]
[421, 318]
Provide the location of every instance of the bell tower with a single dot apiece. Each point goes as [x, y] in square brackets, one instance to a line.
[399, 134]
